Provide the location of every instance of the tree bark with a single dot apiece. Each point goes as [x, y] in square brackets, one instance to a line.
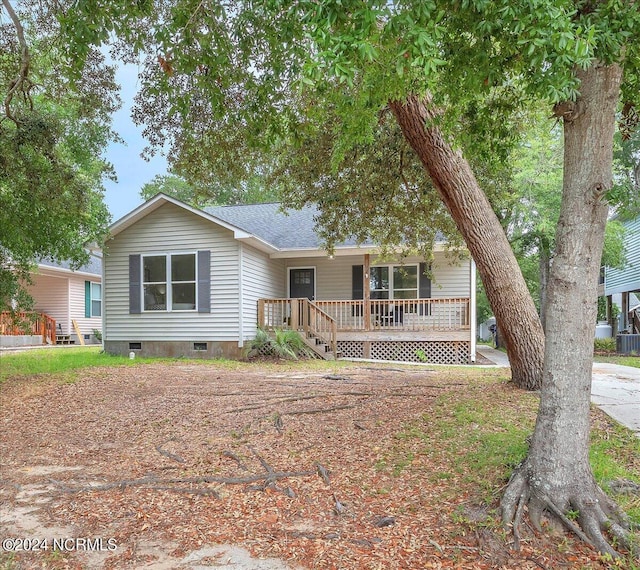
[556, 475]
[469, 207]
[544, 265]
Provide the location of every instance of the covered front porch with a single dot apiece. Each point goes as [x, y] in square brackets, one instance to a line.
[412, 330]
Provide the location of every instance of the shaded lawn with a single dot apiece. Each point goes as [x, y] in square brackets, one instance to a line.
[633, 361]
[168, 441]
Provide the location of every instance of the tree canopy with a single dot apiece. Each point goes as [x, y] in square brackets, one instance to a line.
[52, 133]
[252, 191]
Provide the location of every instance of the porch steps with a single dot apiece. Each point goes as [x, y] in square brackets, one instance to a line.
[321, 348]
[64, 339]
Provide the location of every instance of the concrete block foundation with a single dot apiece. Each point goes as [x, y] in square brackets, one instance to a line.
[175, 349]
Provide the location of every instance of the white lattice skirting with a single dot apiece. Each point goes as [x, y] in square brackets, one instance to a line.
[437, 352]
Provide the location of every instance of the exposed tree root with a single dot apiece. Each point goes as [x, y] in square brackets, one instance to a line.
[599, 521]
[168, 454]
[267, 479]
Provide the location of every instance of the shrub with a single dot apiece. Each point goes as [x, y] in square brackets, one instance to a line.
[604, 344]
[287, 344]
[260, 345]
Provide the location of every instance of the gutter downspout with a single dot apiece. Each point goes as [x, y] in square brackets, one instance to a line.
[103, 289]
[472, 309]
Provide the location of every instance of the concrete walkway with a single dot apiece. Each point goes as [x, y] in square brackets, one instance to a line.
[615, 389]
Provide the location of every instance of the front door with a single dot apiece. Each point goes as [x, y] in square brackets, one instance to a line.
[302, 283]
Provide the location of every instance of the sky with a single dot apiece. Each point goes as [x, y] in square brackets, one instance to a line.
[131, 169]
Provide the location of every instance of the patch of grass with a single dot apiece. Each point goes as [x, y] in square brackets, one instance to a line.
[484, 441]
[633, 361]
[8, 561]
[65, 362]
[404, 462]
[476, 439]
[614, 457]
[56, 361]
[481, 436]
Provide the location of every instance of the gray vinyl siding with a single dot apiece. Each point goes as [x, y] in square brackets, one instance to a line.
[333, 276]
[262, 278]
[171, 229]
[451, 278]
[627, 279]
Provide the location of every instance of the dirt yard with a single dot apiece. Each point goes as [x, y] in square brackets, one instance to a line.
[263, 466]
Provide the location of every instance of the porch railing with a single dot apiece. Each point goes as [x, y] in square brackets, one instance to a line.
[298, 314]
[447, 314]
[28, 323]
[399, 314]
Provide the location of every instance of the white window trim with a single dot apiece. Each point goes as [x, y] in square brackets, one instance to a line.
[168, 283]
[391, 267]
[92, 298]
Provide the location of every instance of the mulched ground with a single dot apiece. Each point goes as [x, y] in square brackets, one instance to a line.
[304, 463]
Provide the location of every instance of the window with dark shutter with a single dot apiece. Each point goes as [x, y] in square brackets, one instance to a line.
[424, 285]
[204, 281]
[357, 290]
[135, 295]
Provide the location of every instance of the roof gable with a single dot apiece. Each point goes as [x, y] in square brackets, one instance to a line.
[268, 227]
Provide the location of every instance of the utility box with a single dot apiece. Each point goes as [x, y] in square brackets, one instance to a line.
[628, 343]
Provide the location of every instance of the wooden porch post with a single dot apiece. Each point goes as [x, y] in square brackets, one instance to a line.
[366, 294]
[295, 316]
[261, 320]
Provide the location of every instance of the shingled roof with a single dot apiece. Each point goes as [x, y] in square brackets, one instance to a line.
[266, 226]
[94, 266]
[291, 229]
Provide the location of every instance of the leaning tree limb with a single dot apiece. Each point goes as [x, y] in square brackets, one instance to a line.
[17, 85]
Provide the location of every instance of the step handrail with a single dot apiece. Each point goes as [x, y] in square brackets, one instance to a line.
[311, 312]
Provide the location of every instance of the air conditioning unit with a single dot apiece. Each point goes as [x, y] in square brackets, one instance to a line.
[628, 343]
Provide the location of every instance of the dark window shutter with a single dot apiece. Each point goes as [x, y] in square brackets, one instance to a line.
[204, 281]
[357, 291]
[424, 286]
[135, 293]
[87, 299]
[356, 282]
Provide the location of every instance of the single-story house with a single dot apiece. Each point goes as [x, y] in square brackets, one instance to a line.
[179, 280]
[67, 304]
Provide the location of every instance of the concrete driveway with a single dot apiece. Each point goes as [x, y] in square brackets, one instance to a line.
[615, 389]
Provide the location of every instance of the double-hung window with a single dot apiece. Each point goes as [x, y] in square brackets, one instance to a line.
[96, 300]
[92, 299]
[405, 282]
[394, 282]
[169, 282]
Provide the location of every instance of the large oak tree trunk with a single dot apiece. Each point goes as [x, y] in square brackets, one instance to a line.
[506, 289]
[544, 265]
[556, 475]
